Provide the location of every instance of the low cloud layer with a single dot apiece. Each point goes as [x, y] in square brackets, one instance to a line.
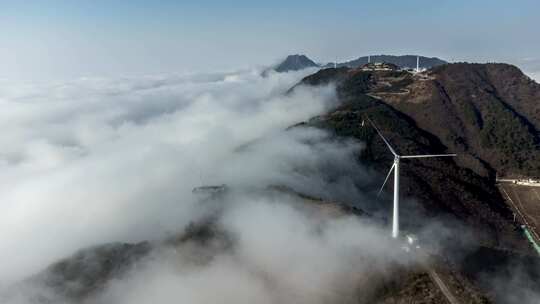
[535, 76]
[281, 254]
[97, 161]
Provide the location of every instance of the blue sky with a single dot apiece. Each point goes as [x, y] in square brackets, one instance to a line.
[104, 38]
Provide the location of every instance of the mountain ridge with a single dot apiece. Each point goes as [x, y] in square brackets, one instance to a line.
[435, 112]
[299, 62]
[402, 61]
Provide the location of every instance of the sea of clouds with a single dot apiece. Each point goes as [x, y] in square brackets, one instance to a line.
[100, 160]
[96, 161]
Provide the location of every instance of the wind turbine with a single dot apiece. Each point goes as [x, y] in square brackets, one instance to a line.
[395, 167]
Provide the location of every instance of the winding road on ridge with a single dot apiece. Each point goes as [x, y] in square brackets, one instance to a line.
[442, 286]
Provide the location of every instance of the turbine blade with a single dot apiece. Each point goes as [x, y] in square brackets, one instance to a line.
[386, 179]
[384, 139]
[427, 155]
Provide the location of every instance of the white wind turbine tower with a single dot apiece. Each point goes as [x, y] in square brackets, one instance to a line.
[395, 167]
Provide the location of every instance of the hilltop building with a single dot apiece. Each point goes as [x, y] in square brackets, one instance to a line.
[379, 66]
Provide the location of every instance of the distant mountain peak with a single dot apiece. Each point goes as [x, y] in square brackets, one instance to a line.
[295, 63]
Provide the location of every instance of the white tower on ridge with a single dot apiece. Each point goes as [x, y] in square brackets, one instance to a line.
[417, 64]
[369, 59]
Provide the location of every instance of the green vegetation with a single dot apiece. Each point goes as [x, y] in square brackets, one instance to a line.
[506, 133]
[471, 114]
[357, 83]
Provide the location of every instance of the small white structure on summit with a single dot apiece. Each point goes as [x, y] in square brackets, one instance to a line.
[418, 69]
[379, 66]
